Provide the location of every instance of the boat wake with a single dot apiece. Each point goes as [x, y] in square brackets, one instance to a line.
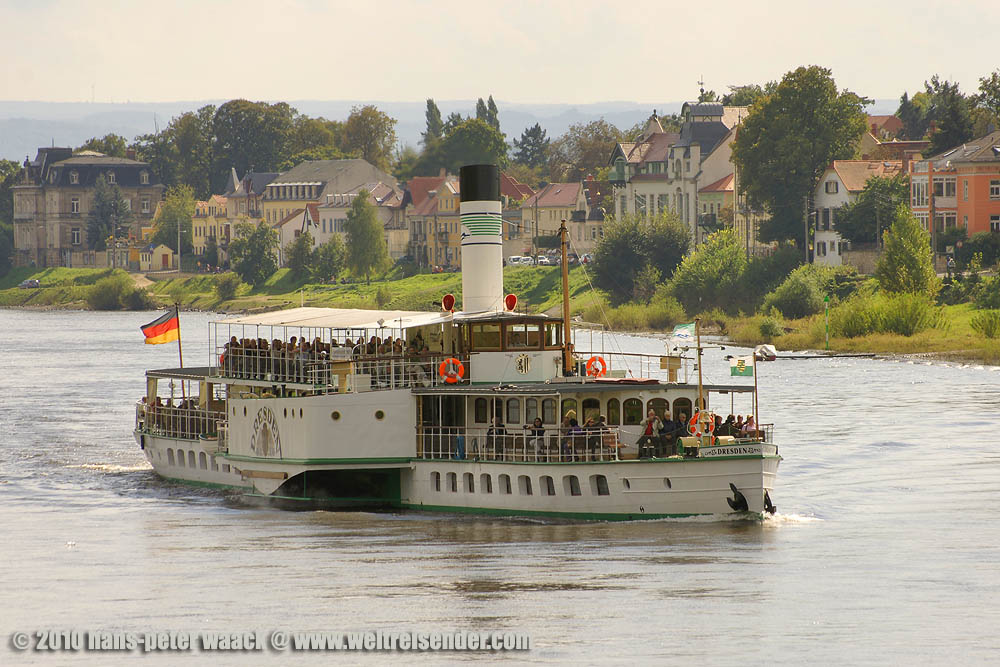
[113, 468]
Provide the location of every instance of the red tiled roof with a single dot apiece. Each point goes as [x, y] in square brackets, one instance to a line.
[889, 123]
[724, 184]
[855, 173]
[313, 212]
[419, 186]
[511, 187]
[555, 194]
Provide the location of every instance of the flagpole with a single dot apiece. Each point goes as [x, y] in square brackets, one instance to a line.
[697, 333]
[756, 405]
[180, 354]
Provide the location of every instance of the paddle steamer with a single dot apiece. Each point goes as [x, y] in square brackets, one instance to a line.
[445, 420]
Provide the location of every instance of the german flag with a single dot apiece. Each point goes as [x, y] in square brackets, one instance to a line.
[163, 329]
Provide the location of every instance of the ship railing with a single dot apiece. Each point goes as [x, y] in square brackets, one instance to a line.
[517, 444]
[187, 423]
[341, 373]
[625, 364]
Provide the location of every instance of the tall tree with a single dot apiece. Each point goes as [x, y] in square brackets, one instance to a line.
[298, 254]
[913, 114]
[249, 135]
[110, 215]
[435, 126]
[743, 96]
[9, 172]
[482, 113]
[710, 277]
[633, 244]
[253, 252]
[191, 134]
[111, 145]
[583, 150]
[328, 259]
[492, 114]
[707, 96]
[533, 146]
[366, 251]
[370, 134]
[951, 112]
[454, 118]
[905, 265]
[473, 141]
[788, 139]
[864, 219]
[178, 209]
[989, 93]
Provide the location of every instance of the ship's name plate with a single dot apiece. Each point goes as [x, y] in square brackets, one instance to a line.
[750, 449]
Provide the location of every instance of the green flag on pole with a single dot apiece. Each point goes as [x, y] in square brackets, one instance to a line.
[741, 366]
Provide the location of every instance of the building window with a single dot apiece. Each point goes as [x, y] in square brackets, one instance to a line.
[918, 193]
[995, 223]
[144, 178]
[832, 187]
[74, 178]
[74, 205]
[965, 189]
[75, 235]
[145, 206]
[922, 219]
[995, 189]
[825, 224]
[111, 177]
[944, 187]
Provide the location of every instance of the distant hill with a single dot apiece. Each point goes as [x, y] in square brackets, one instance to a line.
[24, 126]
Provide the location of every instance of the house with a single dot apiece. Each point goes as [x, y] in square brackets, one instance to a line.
[387, 200]
[210, 220]
[841, 184]
[244, 195]
[639, 171]
[54, 196]
[966, 187]
[156, 257]
[543, 211]
[311, 181]
[437, 223]
[885, 128]
[291, 227]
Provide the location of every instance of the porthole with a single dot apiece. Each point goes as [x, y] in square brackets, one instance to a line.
[380, 415]
[244, 411]
[627, 484]
[300, 413]
[666, 482]
[285, 412]
[335, 415]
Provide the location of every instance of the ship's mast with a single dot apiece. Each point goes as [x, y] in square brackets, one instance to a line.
[567, 350]
[697, 334]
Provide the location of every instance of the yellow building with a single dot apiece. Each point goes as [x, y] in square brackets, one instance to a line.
[210, 221]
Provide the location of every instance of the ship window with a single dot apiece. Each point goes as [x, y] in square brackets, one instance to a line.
[380, 415]
[659, 406]
[481, 411]
[682, 405]
[553, 334]
[524, 485]
[666, 483]
[486, 336]
[170, 457]
[633, 411]
[180, 458]
[524, 336]
[513, 411]
[300, 413]
[599, 485]
[453, 482]
[225, 467]
[548, 486]
[567, 405]
[335, 415]
[627, 484]
[285, 412]
[191, 463]
[591, 408]
[549, 410]
[530, 410]
[505, 484]
[215, 464]
[436, 480]
[614, 412]
[470, 483]
[202, 461]
[486, 483]
[571, 485]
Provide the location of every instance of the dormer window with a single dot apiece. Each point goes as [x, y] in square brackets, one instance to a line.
[111, 177]
[52, 176]
[144, 178]
[74, 178]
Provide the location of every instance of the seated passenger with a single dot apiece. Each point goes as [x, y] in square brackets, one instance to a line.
[536, 435]
[650, 435]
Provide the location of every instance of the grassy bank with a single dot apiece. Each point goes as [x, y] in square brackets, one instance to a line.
[951, 338]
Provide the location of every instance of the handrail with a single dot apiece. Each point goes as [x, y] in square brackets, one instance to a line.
[515, 444]
[174, 422]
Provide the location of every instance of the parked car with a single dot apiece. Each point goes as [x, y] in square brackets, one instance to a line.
[586, 258]
[545, 260]
[31, 283]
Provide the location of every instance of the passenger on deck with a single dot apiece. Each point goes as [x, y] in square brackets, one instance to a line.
[727, 426]
[495, 437]
[749, 428]
[647, 442]
[738, 424]
[668, 434]
[536, 435]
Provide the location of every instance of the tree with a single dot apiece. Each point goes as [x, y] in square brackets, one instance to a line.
[110, 215]
[328, 259]
[111, 145]
[191, 135]
[178, 209]
[742, 96]
[473, 141]
[533, 147]
[482, 113]
[492, 114]
[710, 276]
[864, 219]
[634, 246]
[906, 265]
[989, 93]
[298, 255]
[583, 150]
[312, 133]
[366, 251]
[950, 110]
[211, 251]
[249, 135]
[435, 126]
[371, 135]
[407, 160]
[788, 139]
[913, 114]
[253, 252]
[707, 96]
[9, 172]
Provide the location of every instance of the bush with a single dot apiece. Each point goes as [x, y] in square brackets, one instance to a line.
[858, 316]
[383, 296]
[909, 314]
[801, 294]
[137, 299]
[662, 313]
[107, 293]
[770, 329]
[986, 323]
[902, 314]
[710, 276]
[987, 293]
[226, 285]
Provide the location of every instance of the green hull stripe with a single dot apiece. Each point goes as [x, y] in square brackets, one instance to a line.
[205, 485]
[590, 516]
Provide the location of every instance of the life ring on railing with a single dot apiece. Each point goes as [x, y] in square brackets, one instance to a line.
[695, 430]
[592, 366]
[451, 370]
[222, 359]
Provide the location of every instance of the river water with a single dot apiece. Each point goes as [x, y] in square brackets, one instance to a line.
[885, 548]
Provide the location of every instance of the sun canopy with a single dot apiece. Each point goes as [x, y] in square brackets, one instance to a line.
[356, 318]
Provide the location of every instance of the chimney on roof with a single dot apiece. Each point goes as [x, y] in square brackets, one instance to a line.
[874, 129]
[130, 153]
[443, 172]
[906, 162]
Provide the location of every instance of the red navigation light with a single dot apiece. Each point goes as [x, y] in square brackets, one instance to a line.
[510, 301]
[448, 302]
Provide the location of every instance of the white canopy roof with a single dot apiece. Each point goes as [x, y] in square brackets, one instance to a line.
[355, 318]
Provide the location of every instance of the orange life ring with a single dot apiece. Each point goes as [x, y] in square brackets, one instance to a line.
[592, 367]
[695, 431]
[451, 370]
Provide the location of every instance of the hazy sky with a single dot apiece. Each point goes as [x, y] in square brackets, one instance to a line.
[572, 51]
